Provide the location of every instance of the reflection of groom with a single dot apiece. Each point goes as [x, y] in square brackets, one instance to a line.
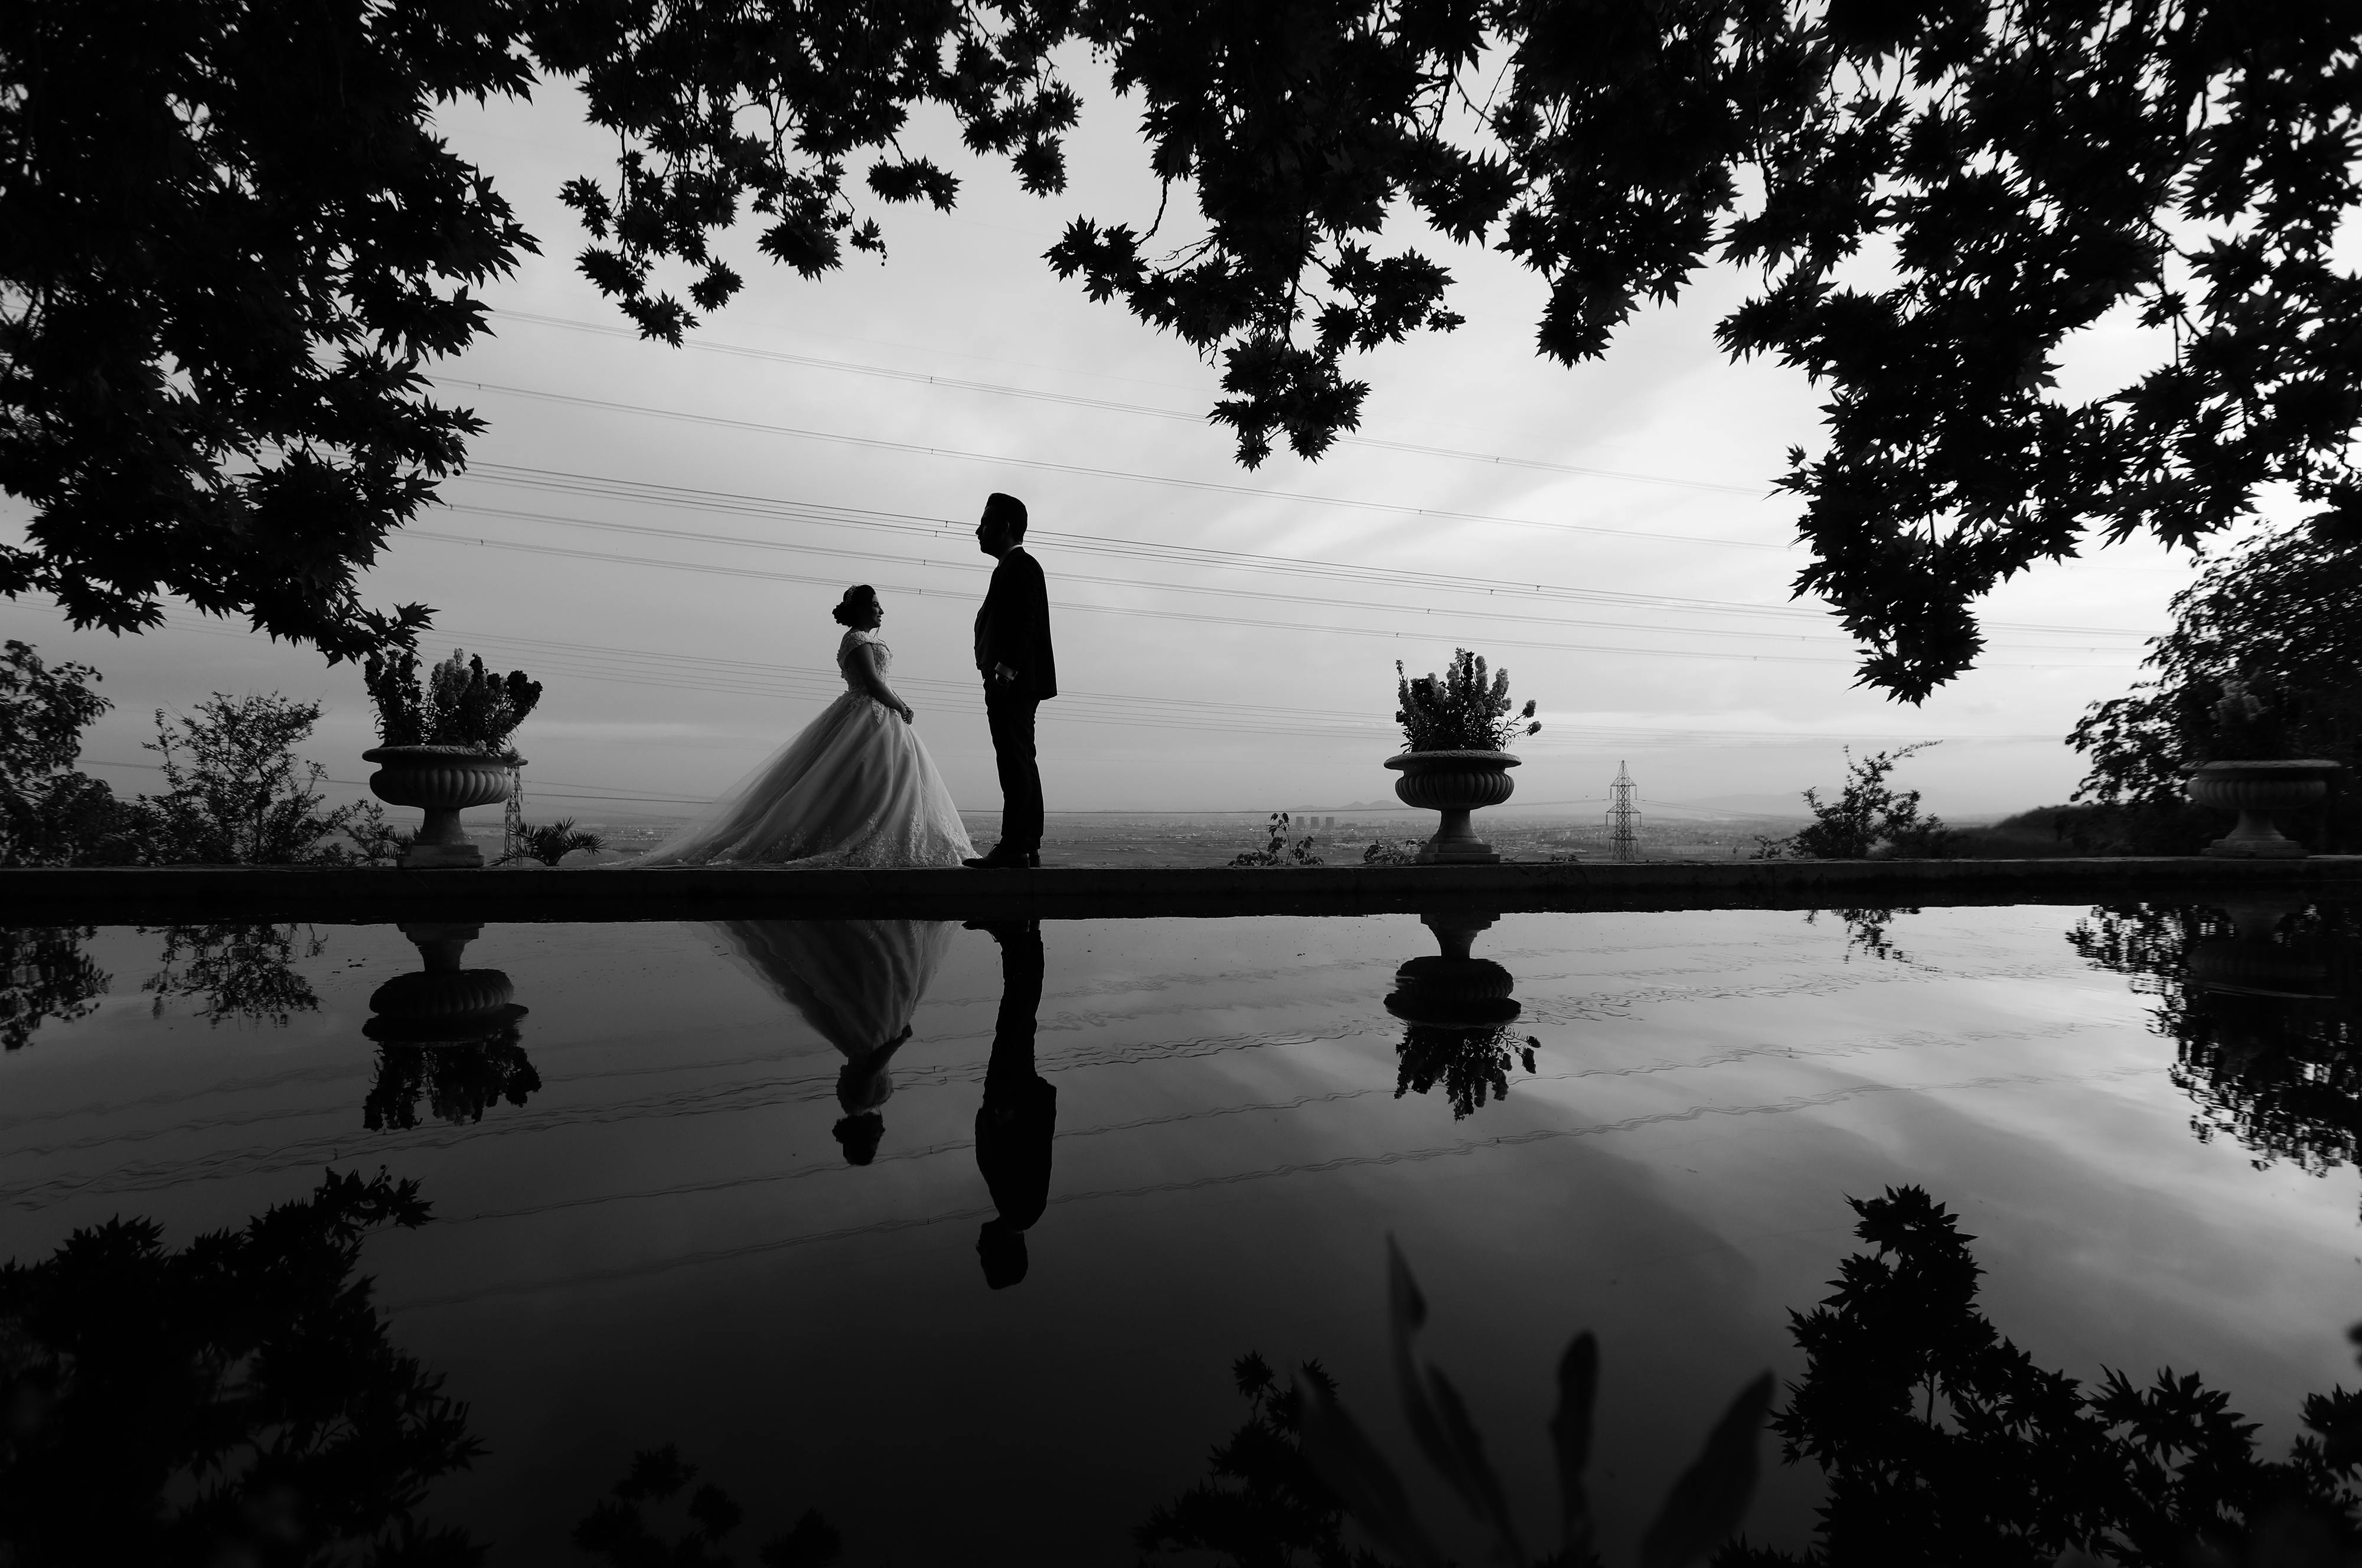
[1020, 1113]
[1013, 652]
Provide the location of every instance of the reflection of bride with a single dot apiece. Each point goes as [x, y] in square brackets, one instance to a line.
[856, 982]
[856, 787]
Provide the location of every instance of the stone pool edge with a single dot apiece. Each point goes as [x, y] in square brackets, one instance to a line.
[132, 895]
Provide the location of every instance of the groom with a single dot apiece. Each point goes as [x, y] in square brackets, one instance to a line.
[1012, 653]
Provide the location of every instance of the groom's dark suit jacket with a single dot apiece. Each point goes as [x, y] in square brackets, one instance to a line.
[1013, 627]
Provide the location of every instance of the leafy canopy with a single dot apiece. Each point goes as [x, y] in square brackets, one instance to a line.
[231, 239]
[1938, 197]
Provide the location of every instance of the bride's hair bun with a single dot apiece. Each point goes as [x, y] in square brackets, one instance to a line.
[857, 598]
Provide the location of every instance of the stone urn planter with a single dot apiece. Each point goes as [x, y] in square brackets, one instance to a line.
[2255, 790]
[1454, 783]
[441, 781]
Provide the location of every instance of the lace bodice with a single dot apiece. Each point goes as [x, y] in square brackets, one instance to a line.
[845, 656]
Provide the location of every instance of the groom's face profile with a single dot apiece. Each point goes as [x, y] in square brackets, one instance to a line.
[998, 530]
[992, 534]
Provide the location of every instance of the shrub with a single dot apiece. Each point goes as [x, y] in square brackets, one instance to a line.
[2263, 659]
[1866, 818]
[1464, 709]
[461, 703]
[237, 793]
[51, 814]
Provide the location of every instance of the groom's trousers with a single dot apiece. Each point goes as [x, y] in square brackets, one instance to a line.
[1011, 718]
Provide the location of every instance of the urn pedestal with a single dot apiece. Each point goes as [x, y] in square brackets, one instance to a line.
[1454, 783]
[2255, 789]
[441, 781]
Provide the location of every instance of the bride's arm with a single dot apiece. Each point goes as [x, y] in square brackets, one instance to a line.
[864, 664]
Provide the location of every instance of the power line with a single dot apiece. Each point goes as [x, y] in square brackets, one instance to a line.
[1135, 612]
[1296, 497]
[851, 367]
[909, 526]
[872, 557]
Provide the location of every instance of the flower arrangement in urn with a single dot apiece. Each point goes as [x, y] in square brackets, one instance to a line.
[447, 745]
[2251, 769]
[1454, 725]
[1460, 710]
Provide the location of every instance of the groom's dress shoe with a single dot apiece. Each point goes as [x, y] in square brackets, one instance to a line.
[1003, 860]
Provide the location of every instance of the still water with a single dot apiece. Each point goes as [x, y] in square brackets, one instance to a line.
[975, 1296]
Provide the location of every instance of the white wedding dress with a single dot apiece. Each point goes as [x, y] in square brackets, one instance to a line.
[856, 787]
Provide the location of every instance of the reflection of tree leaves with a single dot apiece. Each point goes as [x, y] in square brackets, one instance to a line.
[240, 971]
[459, 1083]
[1866, 931]
[1929, 1425]
[633, 1527]
[44, 974]
[1470, 1063]
[2280, 1075]
[236, 1401]
[1263, 1503]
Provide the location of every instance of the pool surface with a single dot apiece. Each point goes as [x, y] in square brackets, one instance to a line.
[975, 1296]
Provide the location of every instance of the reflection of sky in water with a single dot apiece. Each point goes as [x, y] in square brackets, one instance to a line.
[665, 1243]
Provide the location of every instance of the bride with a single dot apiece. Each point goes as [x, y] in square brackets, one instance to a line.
[856, 787]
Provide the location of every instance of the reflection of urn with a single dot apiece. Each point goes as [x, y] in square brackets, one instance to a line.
[443, 1004]
[2255, 790]
[1459, 1009]
[445, 1034]
[1451, 989]
[441, 781]
[2254, 962]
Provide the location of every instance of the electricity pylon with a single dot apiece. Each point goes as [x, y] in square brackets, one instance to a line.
[1623, 817]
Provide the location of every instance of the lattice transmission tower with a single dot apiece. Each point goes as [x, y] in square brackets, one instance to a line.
[513, 819]
[1623, 817]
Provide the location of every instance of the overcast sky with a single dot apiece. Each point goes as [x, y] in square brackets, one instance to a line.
[658, 534]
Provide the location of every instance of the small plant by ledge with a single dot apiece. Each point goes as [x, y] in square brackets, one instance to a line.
[1466, 708]
[461, 703]
[554, 843]
[1278, 848]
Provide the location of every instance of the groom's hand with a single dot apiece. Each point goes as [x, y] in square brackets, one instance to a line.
[1002, 672]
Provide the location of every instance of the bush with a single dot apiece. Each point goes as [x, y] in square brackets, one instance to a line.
[2045, 832]
[1866, 819]
[238, 795]
[2263, 659]
[1461, 710]
[51, 814]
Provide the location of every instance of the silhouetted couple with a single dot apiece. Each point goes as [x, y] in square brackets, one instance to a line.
[856, 787]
